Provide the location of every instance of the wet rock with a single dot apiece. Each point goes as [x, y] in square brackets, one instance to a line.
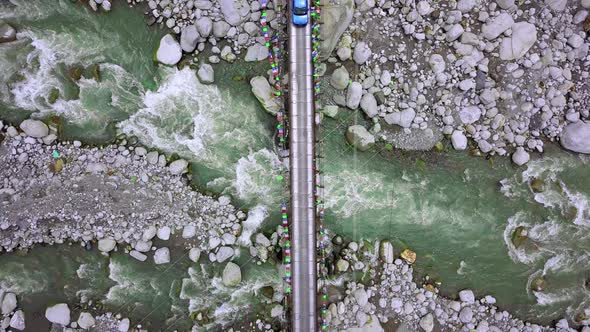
[262, 240]
[467, 296]
[538, 284]
[537, 185]
[330, 111]
[386, 252]
[106, 245]
[342, 265]
[34, 128]
[519, 236]
[359, 137]
[409, 256]
[169, 51]
[232, 275]
[58, 314]
[178, 167]
[206, 74]
[576, 137]
[265, 94]
[7, 33]
[189, 36]
[276, 311]
[162, 256]
[18, 320]
[8, 303]
[520, 156]
[86, 320]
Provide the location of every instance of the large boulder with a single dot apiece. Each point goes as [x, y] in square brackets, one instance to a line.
[339, 79]
[8, 303]
[524, 36]
[106, 245]
[34, 128]
[427, 323]
[178, 166]
[58, 314]
[353, 95]
[86, 320]
[189, 35]
[18, 320]
[576, 137]
[232, 275]
[234, 10]
[169, 52]
[557, 5]
[265, 94]
[336, 18]
[256, 52]
[358, 136]
[7, 33]
[220, 29]
[162, 256]
[204, 26]
[520, 156]
[403, 119]
[497, 26]
[206, 74]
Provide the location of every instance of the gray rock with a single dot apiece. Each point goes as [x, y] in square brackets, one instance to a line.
[169, 51]
[467, 296]
[524, 36]
[206, 74]
[265, 94]
[362, 53]
[231, 11]
[204, 26]
[576, 137]
[459, 140]
[340, 78]
[276, 311]
[194, 254]
[162, 256]
[232, 275]
[220, 29]
[137, 255]
[189, 231]
[178, 166]
[466, 315]
[143, 246]
[58, 314]
[403, 119]
[149, 233]
[455, 32]
[106, 245]
[557, 5]
[361, 297]
[497, 26]
[359, 137]
[8, 303]
[34, 128]
[7, 33]
[256, 52]
[469, 114]
[386, 252]
[262, 240]
[86, 320]
[505, 4]
[189, 36]
[227, 54]
[466, 5]
[437, 63]
[369, 104]
[164, 233]
[520, 157]
[18, 320]
[427, 323]
[224, 253]
[353, 95]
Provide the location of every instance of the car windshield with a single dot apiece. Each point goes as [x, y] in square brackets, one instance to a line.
[300, 11]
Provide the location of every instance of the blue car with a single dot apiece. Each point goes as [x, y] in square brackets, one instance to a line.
[300, 15]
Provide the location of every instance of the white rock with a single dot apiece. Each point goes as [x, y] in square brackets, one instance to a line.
[58, 314]
[86, 320]
[18, 320]
[459, 140]
[497, 26]
[232, 275]
[162, 256]
[576, 137]
[362, 53]
[124, 325]
[469, 114]
[262, 240]
[575, 41]
[169, 52]
[164, 233]
[276, 311]
[466, 315]
[224, 253]
[7, 33]
[557, 5]
[427, 323]
[466, 5]
[361, 297]
[353, 95]
[585, 3]
[437, 63]
[206, 74]
[189, 36]
[149, 233]
[265, 94]
[231, 11]
[204, 26]
[137, 255]
[455, 32]
[520, 157]
[194, 254]
[256, 52]
[8, 303]
[106, 245]
[359, 137]
[189, 231]
[143, 246]
[467, 296]
[505, 4]
[524, 36]
[220, 29]
[178, 166]
[369, 105]
[403, 119]
[34, 128]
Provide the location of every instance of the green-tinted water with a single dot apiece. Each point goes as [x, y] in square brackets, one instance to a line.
[449, 207]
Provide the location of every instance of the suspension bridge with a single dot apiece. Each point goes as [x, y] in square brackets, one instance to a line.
[302, 208]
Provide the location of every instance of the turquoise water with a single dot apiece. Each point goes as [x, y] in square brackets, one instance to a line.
[456, 211]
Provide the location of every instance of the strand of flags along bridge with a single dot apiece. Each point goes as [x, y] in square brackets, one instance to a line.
[274, 56]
